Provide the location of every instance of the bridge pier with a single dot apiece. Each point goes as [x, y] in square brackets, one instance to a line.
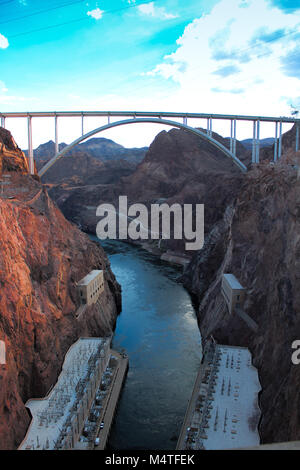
[3, 121]
[82, 124]
[280, 140]
[209, 126]
[297, 138]
[255, 141]
[56, 135]
[276, 142]
[234, 138]
[30, 147]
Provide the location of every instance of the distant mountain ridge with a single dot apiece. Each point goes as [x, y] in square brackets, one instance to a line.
[99, 148]
[263, 142]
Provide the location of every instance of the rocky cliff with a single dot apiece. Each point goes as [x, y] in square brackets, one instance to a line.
[11, 156]
[258, 240]
[42, 256]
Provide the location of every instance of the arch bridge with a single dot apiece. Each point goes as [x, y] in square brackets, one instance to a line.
[163, 118]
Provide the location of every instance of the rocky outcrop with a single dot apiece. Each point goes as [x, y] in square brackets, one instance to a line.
[258, 240]
[42, 256]
[11, 157]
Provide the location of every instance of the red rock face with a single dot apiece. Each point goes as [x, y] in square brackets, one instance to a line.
[11, 157]
[42, 256]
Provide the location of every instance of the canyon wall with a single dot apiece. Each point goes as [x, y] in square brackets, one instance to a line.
[42, 256]
[258, 240]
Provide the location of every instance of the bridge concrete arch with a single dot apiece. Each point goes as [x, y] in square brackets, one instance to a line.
[166, 122]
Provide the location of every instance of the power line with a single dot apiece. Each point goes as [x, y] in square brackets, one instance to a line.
[40, 11]
[4, 3]
[134, 5]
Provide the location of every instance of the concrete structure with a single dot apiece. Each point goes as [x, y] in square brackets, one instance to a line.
[223, 412]
[160, 118]
[104, 406]
[233, 292]
[58, 419]
[91, 287]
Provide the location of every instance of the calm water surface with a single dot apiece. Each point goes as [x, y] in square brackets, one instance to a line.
[158, 330]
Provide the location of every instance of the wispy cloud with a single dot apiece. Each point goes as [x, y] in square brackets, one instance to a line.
[149, 9]
[3, 88]
[96, 13]
[227, 70]
[291, 63]
[289, 6]
[234, 91]
[3, 42]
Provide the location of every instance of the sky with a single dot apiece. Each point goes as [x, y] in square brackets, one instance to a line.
[221, 56]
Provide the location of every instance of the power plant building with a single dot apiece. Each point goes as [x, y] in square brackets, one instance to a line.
[91, 287]
[233, 292]
[58, 419]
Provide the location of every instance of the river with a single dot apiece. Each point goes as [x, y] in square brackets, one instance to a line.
[158, 330]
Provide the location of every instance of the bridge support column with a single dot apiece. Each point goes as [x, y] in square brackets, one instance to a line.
[209, 127]
[82, 124]
[257, 141]
[56, 135]
[297, 137]
[234, 138]
[254, 143]
[30, 147]
[185, 121]
[108, 119]
[3, 121]
[231, 135]
[280, 140]
[276, 142]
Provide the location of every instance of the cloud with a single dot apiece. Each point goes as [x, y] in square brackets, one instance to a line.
[3, 88]
[236, 49]
[149, 9]
[288, 6]
[234, 91]
[3, 42]
[291, 63]
[227, 71]
[96, 13]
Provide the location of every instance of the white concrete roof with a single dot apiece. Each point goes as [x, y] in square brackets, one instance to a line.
[89, 277]
[233, 412]
[233, 282]
[49, 414]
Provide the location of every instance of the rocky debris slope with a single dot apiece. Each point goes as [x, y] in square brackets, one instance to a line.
[258, 240]
[42, 256]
